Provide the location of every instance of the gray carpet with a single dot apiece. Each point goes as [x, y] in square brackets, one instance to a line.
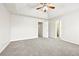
[41, 47]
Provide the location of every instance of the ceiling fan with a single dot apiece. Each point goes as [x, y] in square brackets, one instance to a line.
[45, 6]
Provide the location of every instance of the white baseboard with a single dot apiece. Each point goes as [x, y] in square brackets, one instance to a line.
[70, 41]
[24, 39]
[6, 44]
[52, 38]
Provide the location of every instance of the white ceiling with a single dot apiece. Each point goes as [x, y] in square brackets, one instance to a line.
[29, 9]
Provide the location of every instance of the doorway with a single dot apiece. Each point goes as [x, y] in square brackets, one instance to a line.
[40, 29]
[58, 28]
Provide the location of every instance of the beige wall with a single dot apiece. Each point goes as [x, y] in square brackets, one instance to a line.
[70, 27]
[4, 27]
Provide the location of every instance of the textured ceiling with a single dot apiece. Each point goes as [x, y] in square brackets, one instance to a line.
[29, 9]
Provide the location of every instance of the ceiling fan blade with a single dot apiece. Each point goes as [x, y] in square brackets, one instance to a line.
[38, 8]
[41, 3]
[51, 7]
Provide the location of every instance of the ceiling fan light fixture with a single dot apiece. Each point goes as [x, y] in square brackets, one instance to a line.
[45, 9]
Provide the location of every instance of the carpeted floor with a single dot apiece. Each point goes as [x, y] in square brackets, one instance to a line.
[41, 47]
